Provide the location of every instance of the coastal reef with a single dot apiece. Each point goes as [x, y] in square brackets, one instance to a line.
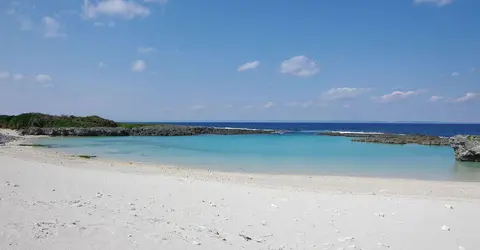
[68, 125]
[393, 138]
[161, 130]
[467, 148]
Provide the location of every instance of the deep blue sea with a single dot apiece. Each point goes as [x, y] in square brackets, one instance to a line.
[295, 152]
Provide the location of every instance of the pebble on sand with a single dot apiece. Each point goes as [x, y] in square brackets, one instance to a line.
[445, 228]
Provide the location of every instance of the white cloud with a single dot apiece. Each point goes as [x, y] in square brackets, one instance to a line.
[269, 105]
[19, 77]
[467, 97]
[248, 65]
[343, 93]
[436, 98]
[52, 27]
[126, 9]
[397, 95]
[102, 65]
[455, 74]
[104, 24]
[4, 75]
[147, 50]
[228, 106]
[248, 106]
[434, 2]
[197, 107]
[43, 78]
[139, 66]
[299, 66]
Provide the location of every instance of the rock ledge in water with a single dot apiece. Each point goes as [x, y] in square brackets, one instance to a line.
[393, 138]
[467, 148]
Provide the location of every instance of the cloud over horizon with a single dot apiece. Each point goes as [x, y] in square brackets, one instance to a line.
[248, 66]
[299, 66]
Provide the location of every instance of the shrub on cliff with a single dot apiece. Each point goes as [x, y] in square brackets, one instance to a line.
[28, 120]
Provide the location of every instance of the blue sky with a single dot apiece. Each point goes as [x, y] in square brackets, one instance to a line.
[185, 60]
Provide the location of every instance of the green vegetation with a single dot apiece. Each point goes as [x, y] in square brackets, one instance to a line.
[52, 121]
[86, 156]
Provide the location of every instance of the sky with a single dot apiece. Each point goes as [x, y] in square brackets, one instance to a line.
[249, 60]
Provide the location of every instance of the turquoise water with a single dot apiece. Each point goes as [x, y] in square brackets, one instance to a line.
[280, 154]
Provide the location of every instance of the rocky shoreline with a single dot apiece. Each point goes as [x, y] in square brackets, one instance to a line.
[4, 139]
[393, 138]
[164, 130]
[467, 148]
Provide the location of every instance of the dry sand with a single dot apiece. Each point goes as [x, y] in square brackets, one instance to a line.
[52, 201]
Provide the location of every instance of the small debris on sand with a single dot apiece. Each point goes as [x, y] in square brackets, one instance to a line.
[445, 228]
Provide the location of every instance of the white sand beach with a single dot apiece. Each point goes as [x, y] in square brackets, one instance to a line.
[49, 200]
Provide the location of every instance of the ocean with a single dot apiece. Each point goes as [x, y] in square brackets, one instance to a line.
[298, 151]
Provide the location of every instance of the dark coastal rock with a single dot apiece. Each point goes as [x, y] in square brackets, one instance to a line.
[4, 139]
[165, 130]
[393, 138]
[467, 148]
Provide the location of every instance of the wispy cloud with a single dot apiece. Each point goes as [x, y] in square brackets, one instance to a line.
[25, 23]
[343, 93]
[52, 28]
[269, 105]
[197, 107]
[19, 77]
[4, 75]
[43, 78]
[467, 97]
[125, 9]
[248, 65]
[299, 66]
[436, 98]
[439, 3]
[398, 95]
[455, 74]
[104, 24]
[147, 50]
[139, 66]
[300, 104]
[102, 65]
